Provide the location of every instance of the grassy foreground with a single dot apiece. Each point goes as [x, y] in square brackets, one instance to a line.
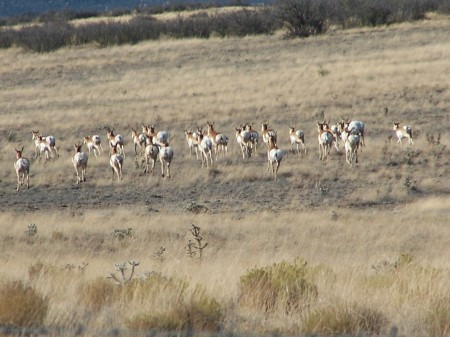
[374, 236]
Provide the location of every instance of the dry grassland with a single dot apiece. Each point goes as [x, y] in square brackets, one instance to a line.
[342, 220]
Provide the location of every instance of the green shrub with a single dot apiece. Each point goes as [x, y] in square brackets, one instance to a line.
[21, 306]
[282, 286]
[344, 320]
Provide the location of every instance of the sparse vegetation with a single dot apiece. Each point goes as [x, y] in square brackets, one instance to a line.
[345, 319]
[375, 235]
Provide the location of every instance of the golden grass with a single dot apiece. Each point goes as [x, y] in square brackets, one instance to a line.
[342, 220]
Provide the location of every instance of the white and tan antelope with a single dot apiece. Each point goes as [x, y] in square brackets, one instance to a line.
[325, 141]
[266, 133]
[205, 146]
[219, 140]
[116, 162]
[165, 158]
[244, 140]
[139, 140]
[352, 144]
[80, 161]
[151, 153]
[191, 138]
[297, 138]
[93, 144]
[274, 157]
[159, 138]
[117, 141]
[22, 168]
[354, 127]
[403, 132]
[254, 137]
[49, 141]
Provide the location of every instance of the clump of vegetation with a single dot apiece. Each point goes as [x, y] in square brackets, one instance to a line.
[123, 233]
[31, 229]
[121, 268]
[344, 319]
[281, 287]
[196, 249]
[21, 306]
[437, 319]
[96, 294]
[195, 312]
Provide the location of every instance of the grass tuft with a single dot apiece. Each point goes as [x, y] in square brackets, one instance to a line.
[21, 305]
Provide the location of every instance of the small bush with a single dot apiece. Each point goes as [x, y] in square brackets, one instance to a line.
[282, 286]
[21, 306]
[48, 37]
[344, 320]
[303, 18]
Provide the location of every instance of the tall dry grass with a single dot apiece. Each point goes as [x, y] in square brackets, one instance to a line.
[352, 225]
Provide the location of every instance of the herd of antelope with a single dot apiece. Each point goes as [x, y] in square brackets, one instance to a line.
[154, 146]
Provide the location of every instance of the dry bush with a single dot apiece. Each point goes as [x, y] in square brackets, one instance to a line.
[345, 319]
[21, 305]
[282, 286]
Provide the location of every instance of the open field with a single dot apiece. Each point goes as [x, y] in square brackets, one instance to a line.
[343, 218]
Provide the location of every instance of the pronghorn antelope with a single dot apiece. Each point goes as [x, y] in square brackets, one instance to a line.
[138, 139]
[334, 130]
[244, 140]
[325, 141]
[165, 157]
[352, 143]
[297, 138]
[219, 140]
[117, 141]
[80, 160]
[116, 161]
[43, 148]
[151, 153]
[93, 143]
[205, 145]
[354, 127]
[266, 133]
[274, 157]
[50, 143]
[22, 167]
[159, 138]
[405, 132]
[254, 137]
[191, 138]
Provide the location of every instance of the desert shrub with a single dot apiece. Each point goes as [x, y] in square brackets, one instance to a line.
[437, 320]
[282, 286]
[21, 305]
[97, 293]
[45, 38]
[344, 320]
[303, 18]
[380, 12]
[245, 22]
[6, 38]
